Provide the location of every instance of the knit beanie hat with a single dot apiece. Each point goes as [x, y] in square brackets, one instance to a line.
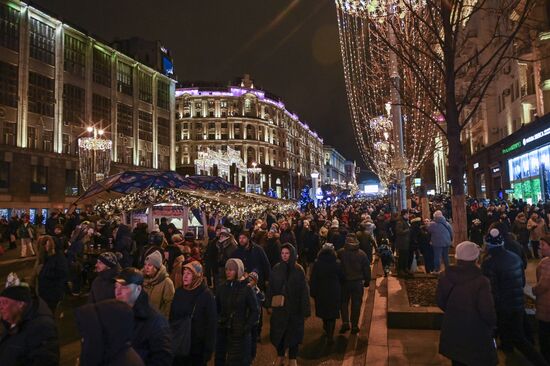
[155, 259]
[335, 224]
[195, 268]
[236, 265]
[18, 293]
[467, 251]
[494, 239]
[254, 275]
[109, 259]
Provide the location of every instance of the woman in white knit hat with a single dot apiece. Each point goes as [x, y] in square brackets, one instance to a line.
[464, 294]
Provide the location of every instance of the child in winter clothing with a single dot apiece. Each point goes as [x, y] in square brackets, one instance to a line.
[386, 255]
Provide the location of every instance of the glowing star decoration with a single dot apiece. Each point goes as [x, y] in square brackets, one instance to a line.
[94, 155]
[365, 28]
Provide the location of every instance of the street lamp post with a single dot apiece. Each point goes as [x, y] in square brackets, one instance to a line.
[314, 182]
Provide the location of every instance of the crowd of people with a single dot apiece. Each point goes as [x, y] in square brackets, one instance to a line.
[166, 296]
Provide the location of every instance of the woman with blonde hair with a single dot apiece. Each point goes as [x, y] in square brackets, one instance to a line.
[53, 276]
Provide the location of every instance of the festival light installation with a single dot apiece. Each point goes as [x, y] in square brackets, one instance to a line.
[382, 91]
[94, 154]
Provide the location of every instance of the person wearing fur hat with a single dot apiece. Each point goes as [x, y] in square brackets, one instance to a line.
[194, 299]
[464, 294]
[237, 313]
[325, 287]
[288, 317]
[107, 269]
[504, 270]
[29, 335]
[157, 284]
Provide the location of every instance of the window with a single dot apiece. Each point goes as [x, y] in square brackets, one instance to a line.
[39, 179]
[102, 68]
[101, 110]
[47, 140]
[124, 153]
[9, 27]
[9, 130]
[41, 94]
[71, 182]
[163, 94]
[8, 84]
[163, 131]
[42, 41]
[75, 56]
[223, 104]
[145, 87]
[145, 126]
[73, 105]
[67, 147]
[4, 174]
[125, 120]
[124, 78]
[31, 137]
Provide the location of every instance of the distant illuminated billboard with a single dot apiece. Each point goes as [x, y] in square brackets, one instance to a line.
[371, 188]
[167, 66]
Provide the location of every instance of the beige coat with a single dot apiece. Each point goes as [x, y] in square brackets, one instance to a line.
[542, 290]
[160, 290]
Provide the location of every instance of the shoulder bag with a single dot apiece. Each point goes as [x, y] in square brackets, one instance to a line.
[181, 333]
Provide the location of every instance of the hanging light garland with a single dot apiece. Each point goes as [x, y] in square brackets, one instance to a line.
[363, 27]
[94, 155]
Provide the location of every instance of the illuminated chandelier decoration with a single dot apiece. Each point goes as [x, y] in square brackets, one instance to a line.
[364, 27]
[94, 153]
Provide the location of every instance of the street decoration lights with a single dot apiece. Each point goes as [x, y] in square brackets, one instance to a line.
[254, 187]
[387, 99]
[94, 155]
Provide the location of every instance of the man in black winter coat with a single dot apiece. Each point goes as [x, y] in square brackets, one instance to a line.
[505, 272]
[28, 335]
[103, 286]
[357, 274]
[254, 258]
[152, 338]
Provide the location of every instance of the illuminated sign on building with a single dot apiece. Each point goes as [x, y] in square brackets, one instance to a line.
[512, 147]
[536, 136]
[476, 165]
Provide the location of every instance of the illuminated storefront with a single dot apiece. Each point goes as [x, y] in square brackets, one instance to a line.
[529, 174]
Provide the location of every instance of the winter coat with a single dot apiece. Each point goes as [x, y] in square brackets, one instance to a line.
[537, 229]
[123, 245]
[366, 242]
[26, 231]
[273, 250]
[152, 338]
[336, 238]
[160, 290]
[287, 322]
[177, 275]
[203, 324]
[476, 234]
[53, 277]
[464, 294]
[519, 228]
[505, 272]
[288, 236]
[402, 234]
[325, 284]
[542, 290]
[310, 245]
[34, 341]
[441, 232]
[254, 260]
[106, 329]
[103, 286]
[355, 263]
[237, 306]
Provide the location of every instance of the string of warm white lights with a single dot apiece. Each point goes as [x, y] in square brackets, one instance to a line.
[365, 54]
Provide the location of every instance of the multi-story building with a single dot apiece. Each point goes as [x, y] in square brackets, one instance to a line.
[252, 122]
[55, 81]
[507, 142]
[350, 168]
[335, 167]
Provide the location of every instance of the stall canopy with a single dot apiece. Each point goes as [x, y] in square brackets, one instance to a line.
[132, 182]
[213, 183]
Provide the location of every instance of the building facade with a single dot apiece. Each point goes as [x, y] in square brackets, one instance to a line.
[335, 167]
[279, 151]
[55, 81]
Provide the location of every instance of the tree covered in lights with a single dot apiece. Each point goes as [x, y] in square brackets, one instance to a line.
[454, 53]
[305, 199]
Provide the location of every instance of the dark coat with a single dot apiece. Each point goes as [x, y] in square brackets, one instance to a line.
[464, 294]
[366, 242]
[355, 263]
[505, 272]
[52, 279]
[237, 307]
[288, 236]
[103, 286]
[254, 260]
[273, 250]
[519, 228]
[34, 342]
[152, 338]
[203, 324]
[334, 236]
[325, 284]
[106, 329]
[310, 245]
[287, 322]
[402, 234]
[123, 245]
[476, 234]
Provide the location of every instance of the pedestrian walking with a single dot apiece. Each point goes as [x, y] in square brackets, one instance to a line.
[464, 294]
[288, 298]
[325, 288]
[537, 229]
[53, 276]
[194, 301]
[542, 292]
[26, 233]
[157, 283]
[441, 238]
[402, 243]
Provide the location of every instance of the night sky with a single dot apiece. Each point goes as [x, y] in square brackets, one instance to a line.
[289, 47]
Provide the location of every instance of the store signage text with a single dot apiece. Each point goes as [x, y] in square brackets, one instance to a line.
[536, 136]
[496, 170]
[512, 147]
